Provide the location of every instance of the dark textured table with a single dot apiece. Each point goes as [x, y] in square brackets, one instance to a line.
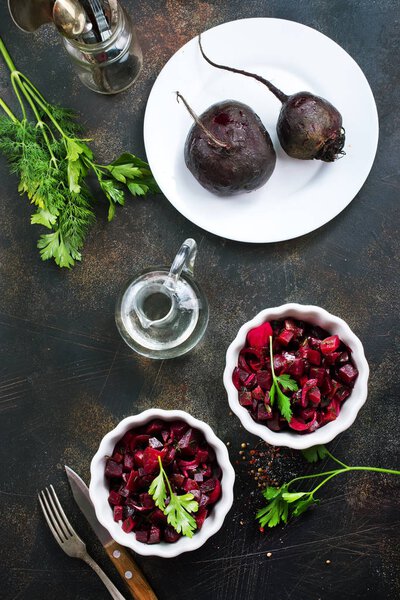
[66, 378]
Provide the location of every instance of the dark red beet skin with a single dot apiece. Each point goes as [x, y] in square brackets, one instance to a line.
[247, 160]
[310, 127]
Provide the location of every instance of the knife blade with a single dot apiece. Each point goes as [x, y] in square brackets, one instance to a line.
[120, 557]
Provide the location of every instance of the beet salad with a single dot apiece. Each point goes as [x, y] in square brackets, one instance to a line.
[293, 375]
[164, 480]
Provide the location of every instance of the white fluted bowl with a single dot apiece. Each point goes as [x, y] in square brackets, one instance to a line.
[99, 488]
[349, 410]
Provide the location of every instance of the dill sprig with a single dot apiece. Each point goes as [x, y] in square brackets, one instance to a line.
[52, 162]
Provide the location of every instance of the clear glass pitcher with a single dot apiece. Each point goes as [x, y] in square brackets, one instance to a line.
[163, 313]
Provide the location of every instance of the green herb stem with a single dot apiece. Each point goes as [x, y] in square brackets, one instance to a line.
[8, 112]
[7, 58]
[339, 462]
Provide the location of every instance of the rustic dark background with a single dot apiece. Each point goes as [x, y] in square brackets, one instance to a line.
[66, 378]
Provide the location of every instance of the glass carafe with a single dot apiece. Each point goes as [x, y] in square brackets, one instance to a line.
[163, 313]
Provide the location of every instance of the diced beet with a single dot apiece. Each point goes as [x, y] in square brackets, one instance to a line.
[142, 536]
[314, 342]
[138, 458]
[117, 457]
[165, 435]
[188, 443]
[258, 393]
[124, 491]
[236, 378]
[118, 513]
[200, 517]
[150, 460]
[348, 374]
[264, 412]
[196, 495]
[252, 359]
[188, 464]
[155, 443]
[140, 440]
[131, 484]
[190, 485]
[169, 456]
[258, 337]
[310, 383]
[178, 428]
[341, 394]
[128, 461]
[314, 396]
[279, 363]
[216, 493]
[331, 359]
[157, 517]
[300, 425]
[177, 480]
[198, 477]
[314, 357]
[285, 337]
[264, 379]
[296, 369]
[203, 500]
[208, 486]
[170, 535]
[317, 373]
[155, 427]
[242, 364]
[146, 500]
[274, 424]
[344, 357]
[249, 381]
[128, 525]
[113, 469]
[202, 455]
[330, 344]
[114, 498]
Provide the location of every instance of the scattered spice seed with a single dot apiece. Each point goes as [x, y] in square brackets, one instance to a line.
[243, 445]
[269, 554]
[328, 562]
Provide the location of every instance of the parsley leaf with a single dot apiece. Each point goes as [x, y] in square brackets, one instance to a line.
[275, 392]
[315, 453]
[178, 508]
[277, 508]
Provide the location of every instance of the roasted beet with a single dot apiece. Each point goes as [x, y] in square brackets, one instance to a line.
[320, 364]
[308, 126]
[189, 463]
[228, 150]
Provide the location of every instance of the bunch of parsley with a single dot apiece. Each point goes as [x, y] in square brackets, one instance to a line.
[282, 503]
[52, 163]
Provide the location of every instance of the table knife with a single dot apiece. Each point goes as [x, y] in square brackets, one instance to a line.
[120, 556]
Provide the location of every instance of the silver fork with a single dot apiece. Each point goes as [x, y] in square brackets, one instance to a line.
[67, 537]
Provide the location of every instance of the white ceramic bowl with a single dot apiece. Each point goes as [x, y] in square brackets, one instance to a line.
[350, 408]
[99, 490]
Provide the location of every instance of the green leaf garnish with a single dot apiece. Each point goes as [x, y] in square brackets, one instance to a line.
[275, 392]
[315, 453]
[179, 508]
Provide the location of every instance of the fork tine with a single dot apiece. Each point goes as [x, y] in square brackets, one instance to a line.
[55, 533]
[62, 514]
[56, 516]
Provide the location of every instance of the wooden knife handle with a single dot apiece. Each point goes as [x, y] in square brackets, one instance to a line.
[130, 572]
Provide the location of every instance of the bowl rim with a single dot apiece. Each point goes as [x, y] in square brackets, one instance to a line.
[98, 489]
[351, 407]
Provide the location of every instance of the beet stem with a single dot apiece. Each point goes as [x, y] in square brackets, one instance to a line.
[276, 91]
[208, 133]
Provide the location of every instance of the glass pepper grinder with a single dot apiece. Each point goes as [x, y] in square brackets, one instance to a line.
[163, 313]
[107, 61]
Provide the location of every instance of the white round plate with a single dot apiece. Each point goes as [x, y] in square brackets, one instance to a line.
[301, 195]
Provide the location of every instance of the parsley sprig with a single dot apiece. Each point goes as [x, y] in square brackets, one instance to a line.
[52, 162]
[178, 509]
[275, 392]
[281, 503]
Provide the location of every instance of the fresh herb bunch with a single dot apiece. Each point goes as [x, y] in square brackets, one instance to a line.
[178, 509]
[275, 392]
[52, 163]
[282, 503]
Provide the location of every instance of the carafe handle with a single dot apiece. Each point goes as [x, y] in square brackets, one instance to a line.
[183, 261]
